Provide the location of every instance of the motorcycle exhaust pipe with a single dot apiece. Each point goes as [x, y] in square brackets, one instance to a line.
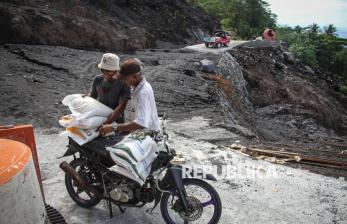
[72, 173]
[76, 177]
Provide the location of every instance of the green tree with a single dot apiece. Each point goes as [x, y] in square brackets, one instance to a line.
[246, 18]
[306, 52]
[314, 28]
[340, 64]
[298, 29]
[330, 30]
[317, 49]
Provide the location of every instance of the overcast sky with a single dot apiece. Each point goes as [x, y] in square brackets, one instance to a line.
[305, 12]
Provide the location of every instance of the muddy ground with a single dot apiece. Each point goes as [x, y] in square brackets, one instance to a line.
[258, 191]
[295, 114]
[205, 118]
[35, 80]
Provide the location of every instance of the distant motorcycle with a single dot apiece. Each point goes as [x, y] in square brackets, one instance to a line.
[89, 179]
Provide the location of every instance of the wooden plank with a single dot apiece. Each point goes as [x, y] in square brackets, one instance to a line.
[273, 152]
[296, 157]
[323, 161]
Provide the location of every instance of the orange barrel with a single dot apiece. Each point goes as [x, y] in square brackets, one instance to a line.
[24, 134]
[20, 196]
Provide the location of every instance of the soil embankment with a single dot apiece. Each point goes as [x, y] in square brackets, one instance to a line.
[103, 25]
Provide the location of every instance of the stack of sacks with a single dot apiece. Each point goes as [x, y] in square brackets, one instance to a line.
[135, 154]
[87, 115]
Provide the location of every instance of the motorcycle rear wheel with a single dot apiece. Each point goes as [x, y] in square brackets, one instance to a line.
[205, 205]
[82, 198]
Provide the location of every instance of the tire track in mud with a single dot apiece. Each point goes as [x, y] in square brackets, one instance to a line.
[22, 54]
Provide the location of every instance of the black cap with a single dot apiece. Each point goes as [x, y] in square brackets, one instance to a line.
[128, 67]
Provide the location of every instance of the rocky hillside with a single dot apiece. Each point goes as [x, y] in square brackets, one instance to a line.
[103, 24]
[275, 96]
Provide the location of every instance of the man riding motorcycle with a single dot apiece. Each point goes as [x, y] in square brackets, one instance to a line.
[92, 175]
[145, 115]
[110, 91]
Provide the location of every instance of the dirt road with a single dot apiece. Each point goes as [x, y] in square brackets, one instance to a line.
[203, 49]
[275, 194]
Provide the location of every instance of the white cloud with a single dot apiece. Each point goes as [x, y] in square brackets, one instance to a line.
[305, 12]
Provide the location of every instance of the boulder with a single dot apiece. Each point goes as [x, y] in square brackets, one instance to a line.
[289, 57]
[207, 66]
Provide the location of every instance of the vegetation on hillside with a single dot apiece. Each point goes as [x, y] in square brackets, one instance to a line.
[315, 47]
[318, 48]
[245, 18]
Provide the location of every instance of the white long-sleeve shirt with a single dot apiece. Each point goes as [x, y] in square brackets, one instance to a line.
[144, 108]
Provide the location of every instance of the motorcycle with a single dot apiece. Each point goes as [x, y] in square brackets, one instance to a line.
[89, 178]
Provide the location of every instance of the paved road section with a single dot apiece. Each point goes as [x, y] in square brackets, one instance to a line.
[203, 49]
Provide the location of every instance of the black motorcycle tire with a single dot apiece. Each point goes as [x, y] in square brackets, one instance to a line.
[73, 194]
[197, 182]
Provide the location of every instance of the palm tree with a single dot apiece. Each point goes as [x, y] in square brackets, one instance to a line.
[298, 29]
[314, 28]
[330, 30]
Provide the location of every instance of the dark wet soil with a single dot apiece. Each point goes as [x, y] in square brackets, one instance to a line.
[34, 80]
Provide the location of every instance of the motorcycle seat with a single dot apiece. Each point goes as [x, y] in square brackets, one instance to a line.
[99, 144]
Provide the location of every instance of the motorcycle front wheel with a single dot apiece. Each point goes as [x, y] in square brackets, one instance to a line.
[81, 197]
[204, 204]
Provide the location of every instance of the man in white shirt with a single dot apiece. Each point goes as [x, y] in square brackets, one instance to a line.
[143, 102]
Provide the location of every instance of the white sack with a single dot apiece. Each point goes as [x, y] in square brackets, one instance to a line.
[86, 106]
[124, 172]
[70, 120]
[76, 120]
[91, 122]
[81, 136]
[139, 169]
[135, 153]
[134, 148]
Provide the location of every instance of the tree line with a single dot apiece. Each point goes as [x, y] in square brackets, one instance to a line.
[319, 48]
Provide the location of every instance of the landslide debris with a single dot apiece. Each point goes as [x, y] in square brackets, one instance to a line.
[277, 99]
[278, 103]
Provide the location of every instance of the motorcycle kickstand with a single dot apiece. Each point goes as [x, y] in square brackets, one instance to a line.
[122, 210]
[109, 203]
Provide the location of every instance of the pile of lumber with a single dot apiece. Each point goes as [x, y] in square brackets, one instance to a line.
[281, 156]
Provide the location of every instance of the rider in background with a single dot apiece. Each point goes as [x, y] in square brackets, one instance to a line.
[269, 34]
[144, 109]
